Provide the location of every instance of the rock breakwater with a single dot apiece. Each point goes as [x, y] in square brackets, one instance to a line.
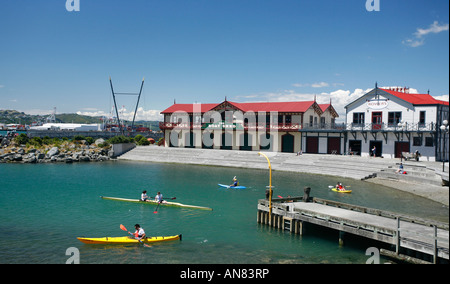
[66, 152]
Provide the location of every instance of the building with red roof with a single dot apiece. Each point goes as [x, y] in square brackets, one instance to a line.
[392, 121]
[276, 126]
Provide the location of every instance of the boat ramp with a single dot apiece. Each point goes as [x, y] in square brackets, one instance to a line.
[424, 239]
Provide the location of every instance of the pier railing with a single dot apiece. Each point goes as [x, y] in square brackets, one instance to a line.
[403, 231]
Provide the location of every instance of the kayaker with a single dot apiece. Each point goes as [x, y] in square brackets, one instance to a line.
[144, 196]
[340, 187]
[140, 233]
[235, 182]
[159, 197]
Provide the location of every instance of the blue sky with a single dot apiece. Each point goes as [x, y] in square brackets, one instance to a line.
[206, 50]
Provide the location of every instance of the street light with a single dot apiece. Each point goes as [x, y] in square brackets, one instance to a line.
[270, 185]
[444, 129]
[403, 125]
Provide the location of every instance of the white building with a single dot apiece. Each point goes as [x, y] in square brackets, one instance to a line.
[395, 121]
[68, 127]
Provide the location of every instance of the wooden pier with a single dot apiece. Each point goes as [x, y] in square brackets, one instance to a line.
[403, 232]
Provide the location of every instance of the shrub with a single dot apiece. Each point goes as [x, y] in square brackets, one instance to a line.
[22, 139]
[120, 139]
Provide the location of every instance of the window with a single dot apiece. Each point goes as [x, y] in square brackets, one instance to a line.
[288, 119]
[322, 122]
[422, 118]
[429, 141]
[394, 118]
[417, 141]
[358, 117]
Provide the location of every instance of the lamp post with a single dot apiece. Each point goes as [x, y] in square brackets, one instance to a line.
[444, 131]
[402, 125]
[270, 185]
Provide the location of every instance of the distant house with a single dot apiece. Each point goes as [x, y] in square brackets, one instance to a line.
[270, 126]
[392, 121]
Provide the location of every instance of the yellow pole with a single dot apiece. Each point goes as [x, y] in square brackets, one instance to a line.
[270, 186]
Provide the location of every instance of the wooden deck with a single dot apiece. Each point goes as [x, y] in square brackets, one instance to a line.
[401, 231]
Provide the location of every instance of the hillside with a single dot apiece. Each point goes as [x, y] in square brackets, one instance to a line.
[16, 117]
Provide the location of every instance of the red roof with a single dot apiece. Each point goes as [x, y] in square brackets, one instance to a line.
[416, 99]
[275, 106]
[189, 108]
[245, 107]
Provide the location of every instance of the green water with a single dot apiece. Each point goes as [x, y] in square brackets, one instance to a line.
[44, 207]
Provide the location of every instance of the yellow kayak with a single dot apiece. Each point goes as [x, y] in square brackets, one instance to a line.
[342, 191]
[127, 240]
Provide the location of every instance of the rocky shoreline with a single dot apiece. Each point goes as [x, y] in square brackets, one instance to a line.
[65, 152]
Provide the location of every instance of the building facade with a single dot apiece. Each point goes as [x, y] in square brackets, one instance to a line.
[391, 121]
[386, 122]
[269, 126]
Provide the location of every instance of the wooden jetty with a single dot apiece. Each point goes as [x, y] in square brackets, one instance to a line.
[403, 232]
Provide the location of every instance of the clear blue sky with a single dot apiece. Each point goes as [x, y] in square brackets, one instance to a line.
[204, 50]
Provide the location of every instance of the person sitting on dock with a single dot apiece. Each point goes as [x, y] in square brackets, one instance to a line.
[140, 233]
[400, 169]
[144, 196]
[159, 198]
[235, 182]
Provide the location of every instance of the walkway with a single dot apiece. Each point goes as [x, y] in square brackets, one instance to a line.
[402, 231]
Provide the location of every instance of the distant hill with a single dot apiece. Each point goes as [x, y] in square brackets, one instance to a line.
[16, 117]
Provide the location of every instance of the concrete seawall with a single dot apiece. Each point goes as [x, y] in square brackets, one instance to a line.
[354, 167]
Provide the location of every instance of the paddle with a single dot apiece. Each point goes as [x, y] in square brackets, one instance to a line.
[156, 211]
[122, 227]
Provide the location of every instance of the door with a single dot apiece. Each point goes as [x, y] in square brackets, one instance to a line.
[377, 118]
[312, 145]
[246, 142]
[287, 143]
[334, 145]
[377, 146]
[265, 141]
[401, 147]
[354, 147]
[227, 141]
[189, 140]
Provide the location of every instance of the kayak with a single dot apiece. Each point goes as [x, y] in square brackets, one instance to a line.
[234, 187]
[342, 191]
[128, 240]
[168, 203]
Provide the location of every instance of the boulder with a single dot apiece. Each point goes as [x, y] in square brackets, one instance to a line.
[52, 152]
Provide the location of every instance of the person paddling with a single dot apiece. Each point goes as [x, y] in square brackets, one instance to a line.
[235, 182]
[140, 233]
[144, 196]
[340, 187]
[159, 198]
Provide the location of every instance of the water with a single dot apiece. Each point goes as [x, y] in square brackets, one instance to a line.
[44, 207]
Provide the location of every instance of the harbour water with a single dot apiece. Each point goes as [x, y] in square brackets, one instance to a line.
[44, 207]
